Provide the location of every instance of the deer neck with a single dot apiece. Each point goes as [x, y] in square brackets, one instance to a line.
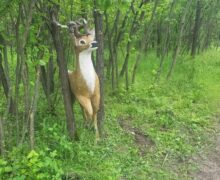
[86, 69]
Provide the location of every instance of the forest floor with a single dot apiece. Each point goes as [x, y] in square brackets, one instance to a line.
[208, 160]
[168, 130]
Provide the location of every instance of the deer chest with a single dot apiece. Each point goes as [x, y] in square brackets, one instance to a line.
[88, 73]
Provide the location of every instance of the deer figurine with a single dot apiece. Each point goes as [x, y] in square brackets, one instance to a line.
[84, 81]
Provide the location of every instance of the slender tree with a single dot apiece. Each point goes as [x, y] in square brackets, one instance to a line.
[99, 60]
[70, 121]
[179, 38]
[196, 28]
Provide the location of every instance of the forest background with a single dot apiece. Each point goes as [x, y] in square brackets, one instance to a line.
[159, 66]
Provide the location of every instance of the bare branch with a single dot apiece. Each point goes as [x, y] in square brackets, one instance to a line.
[57, 23]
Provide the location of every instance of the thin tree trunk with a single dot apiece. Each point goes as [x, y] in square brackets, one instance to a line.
[2, 138]
[125, 64]
[112, 65]
[50, 82]
[145, 40]
[166, 42]
[109, 46]
[159, 38]
[43, 78]
[3, 78]
[99, 62]
[2, 121]
[114, 48]
[21, 67]
[63, 77]
[196, 28]
[179, 37]
[133, 31]
[4, 73]
[33, 108]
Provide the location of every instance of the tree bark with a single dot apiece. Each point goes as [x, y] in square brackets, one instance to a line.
[144, 41]
[4, 74]
[21, 66]
[33, 108]
[132, 32]
[3, 78]
[166, 42]
[100, 62]
[179, 37]
[62, 64]
[196, 28]
[2, 138]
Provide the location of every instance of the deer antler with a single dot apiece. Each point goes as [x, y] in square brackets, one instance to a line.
[83, 23]
[73, 26]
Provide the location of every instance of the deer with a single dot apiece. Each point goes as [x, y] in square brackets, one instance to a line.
[84, 81]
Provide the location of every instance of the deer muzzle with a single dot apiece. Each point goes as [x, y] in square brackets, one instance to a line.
[94, 44]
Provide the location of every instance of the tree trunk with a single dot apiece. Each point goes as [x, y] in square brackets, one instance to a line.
[2, 138]
[179, 37]
[166, 42]
[196, 28]
[144, 41]
[33, 108]
[21, 67]
[132, 32]
[3, 78]
[4, 74]
[63, 77]
[100, 62]
[159, 38]
[109, 46]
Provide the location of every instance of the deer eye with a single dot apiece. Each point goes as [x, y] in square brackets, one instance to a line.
[82, 42]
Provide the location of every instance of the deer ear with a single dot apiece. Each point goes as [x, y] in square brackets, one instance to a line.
[92, 33]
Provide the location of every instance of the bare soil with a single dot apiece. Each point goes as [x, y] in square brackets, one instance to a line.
[143, 142]
[208, 161]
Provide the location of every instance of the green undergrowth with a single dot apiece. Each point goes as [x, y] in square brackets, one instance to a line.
[174, 115]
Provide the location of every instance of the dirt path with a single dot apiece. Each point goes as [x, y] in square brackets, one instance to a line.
[209, 163]
[208, 160]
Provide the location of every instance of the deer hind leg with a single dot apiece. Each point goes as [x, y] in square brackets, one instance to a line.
[86, 106]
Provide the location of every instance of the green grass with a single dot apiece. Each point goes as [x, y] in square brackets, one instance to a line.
[175, 115]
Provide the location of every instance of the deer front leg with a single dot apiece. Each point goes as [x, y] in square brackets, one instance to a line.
[95, 105]
[97, 137]
[87, 121]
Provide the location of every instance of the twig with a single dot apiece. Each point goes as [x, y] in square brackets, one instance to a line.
[165, 159]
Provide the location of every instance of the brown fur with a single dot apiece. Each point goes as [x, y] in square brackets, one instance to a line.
[88, 100]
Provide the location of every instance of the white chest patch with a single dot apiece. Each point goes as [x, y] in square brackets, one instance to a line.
[87, 70]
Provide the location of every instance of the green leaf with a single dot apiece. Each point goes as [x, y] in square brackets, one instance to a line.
[53, 154]
[42, 63]
[8, 169]
[32, 154]
[3, 162]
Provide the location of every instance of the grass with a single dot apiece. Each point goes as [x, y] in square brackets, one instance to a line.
[173, 115]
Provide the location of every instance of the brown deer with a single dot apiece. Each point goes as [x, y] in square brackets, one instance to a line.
[84, 81]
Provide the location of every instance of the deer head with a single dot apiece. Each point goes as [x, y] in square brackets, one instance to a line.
[82, 41]
[85, 41]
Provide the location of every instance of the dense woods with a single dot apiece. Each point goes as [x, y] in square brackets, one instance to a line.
[147, 50]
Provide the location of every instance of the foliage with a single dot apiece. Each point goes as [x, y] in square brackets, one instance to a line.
[174, 115]
[34, 165]
[153, 125]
